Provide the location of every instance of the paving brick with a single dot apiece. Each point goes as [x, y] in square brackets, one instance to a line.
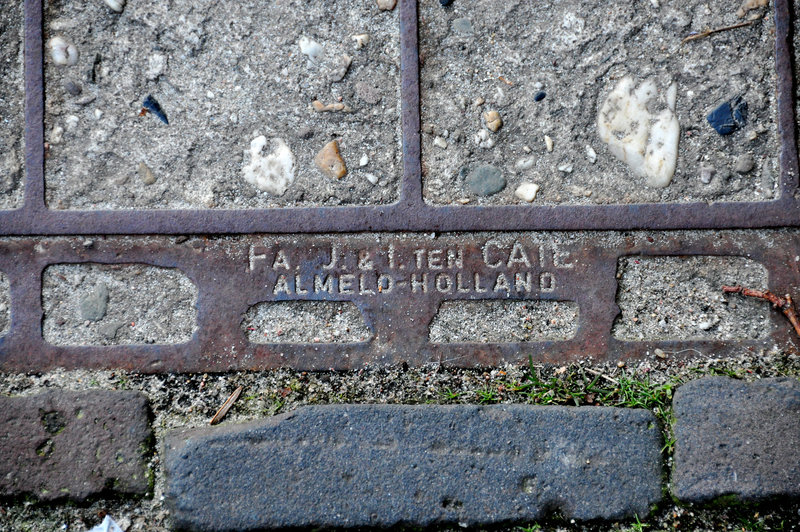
[381, 465]
[60, 444]
[737, 438]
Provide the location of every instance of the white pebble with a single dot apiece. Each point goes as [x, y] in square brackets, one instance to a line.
[527, 192]
[155, 66]
[372, 178]
[272, 172]
[524, 163]
[527, 149]
[548, 142]
[98, 114]
[646, 141]
[591, 155]
[440, 142]
[72, 122]
[565, 167]
[62, 52]
[483, 139]
[362, 39]
[56, 135]
[210, 95]
[309, 48]
[116, 5]
[364, 161]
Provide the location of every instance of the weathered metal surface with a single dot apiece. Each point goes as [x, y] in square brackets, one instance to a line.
[410, 213]
[396, 281]
[398, 318]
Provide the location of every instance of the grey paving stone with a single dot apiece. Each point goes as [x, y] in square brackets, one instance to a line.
[737, 438]
[61, 444]
[381, 465]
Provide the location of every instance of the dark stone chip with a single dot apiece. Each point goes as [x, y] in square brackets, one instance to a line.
[729, 116]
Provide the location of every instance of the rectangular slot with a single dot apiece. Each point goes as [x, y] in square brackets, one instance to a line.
[678, 298]
[12, 158]
[287, 322]
[489, 322]
[94, 304]
[557, 80]
[238, 91]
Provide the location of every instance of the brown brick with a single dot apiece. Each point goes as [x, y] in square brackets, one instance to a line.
[61, 444]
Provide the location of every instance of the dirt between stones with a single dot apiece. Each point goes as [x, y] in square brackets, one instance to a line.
[505, 53]
[11, 109]
[224, 74]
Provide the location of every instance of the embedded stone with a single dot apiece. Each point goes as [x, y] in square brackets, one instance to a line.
[485, 180]
[737, 438]
[93, 305]
[344, 466]
[74, 445]
[729, 116]
[330, 161]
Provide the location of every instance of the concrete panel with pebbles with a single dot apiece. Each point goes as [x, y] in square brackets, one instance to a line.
[535, 90]
[504, 321]
[249, 102]
[670, 298]
[73, 445]
[426, 465]
[12, 87]
[737, 438]
[304, 322]
[93, 304]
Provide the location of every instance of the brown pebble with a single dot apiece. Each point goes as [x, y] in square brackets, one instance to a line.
[386, 5]
[330, 161]
[493, 120]
[146, 174]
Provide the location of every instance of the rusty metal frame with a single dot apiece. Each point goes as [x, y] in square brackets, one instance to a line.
[410, 212]
[398, 322]
[228, 286]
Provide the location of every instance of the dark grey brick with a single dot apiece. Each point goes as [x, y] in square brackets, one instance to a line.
[61, 444]
[737, 438]
[380, 465]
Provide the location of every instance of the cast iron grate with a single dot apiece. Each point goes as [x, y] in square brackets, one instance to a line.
[582, 272]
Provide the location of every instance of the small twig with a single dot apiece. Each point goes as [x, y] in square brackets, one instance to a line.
[226, 406]
[706, 33]
[603, 375]
[785, 304]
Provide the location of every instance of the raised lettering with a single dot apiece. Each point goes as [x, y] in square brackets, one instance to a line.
[419, 284]
[502, 283]
[444, 283]
[525, 285]
[485, 252]
[282, 286]
[281, 261]
[346, 281]
[323, 283]
[547, 282]
[518, 255]
[254, 257]
[298, 288]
